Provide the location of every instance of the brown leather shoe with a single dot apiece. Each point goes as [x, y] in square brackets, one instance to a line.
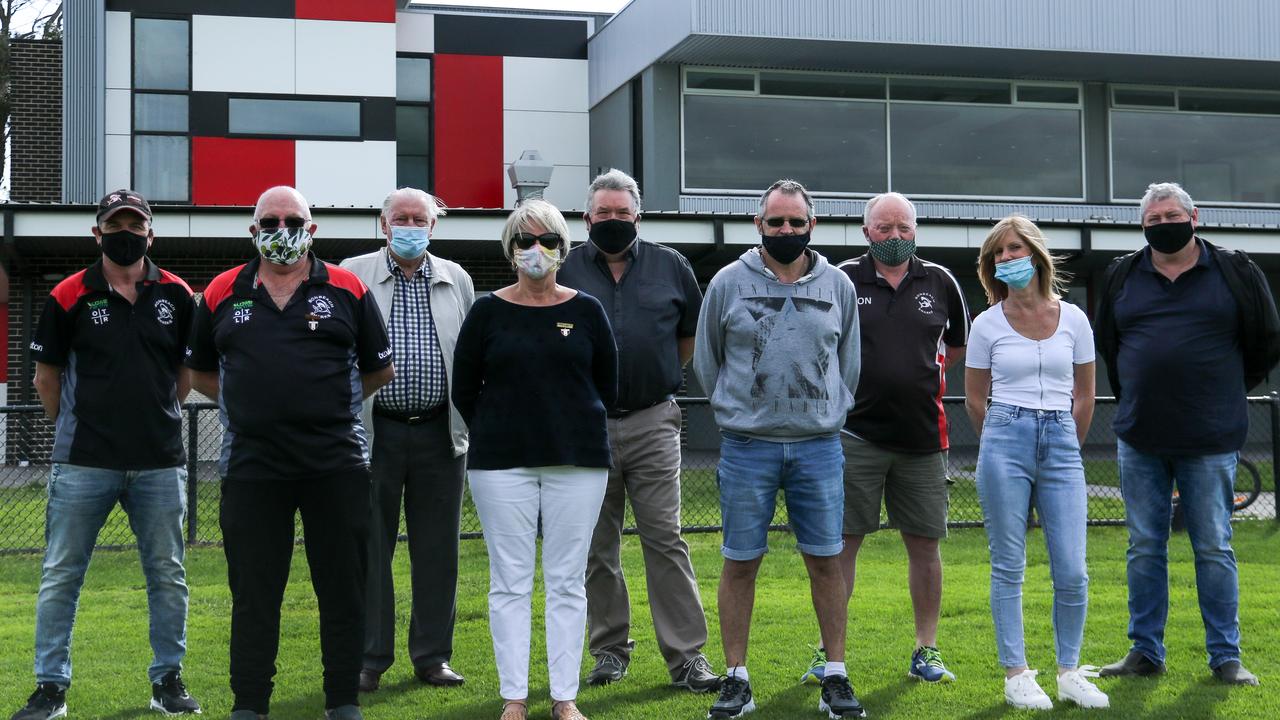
[369, 680]
[566, 710]
[439, 674]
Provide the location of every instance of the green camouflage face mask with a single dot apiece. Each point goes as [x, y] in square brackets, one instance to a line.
[894, 251]
[283, 246]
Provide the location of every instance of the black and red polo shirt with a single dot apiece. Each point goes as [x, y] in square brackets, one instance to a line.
[289, 379]
[118, 407]
[905, 334]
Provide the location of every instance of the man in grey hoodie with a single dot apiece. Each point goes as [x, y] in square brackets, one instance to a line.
[778, 353]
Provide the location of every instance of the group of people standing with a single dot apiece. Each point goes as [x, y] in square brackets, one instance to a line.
[553, 398]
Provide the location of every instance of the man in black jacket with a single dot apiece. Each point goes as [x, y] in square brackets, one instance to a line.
[1186, 329]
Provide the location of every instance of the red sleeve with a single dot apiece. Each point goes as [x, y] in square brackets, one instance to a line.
[347, 280]
[219, 288]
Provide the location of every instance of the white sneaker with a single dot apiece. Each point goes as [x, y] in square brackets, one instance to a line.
[1022, 692]
[1075, 687]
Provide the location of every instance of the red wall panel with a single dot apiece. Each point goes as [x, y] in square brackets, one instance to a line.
[469, 168]
[366, 10]
[235, 171]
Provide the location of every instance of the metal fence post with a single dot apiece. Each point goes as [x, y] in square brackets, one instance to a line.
[193, 452]
[1275, 451]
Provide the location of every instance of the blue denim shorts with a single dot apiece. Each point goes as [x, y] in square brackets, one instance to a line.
[810, 474]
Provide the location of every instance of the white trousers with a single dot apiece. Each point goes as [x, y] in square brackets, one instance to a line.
[508, 502]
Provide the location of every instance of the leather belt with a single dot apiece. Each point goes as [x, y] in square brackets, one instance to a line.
[414, 418]
[619, 414]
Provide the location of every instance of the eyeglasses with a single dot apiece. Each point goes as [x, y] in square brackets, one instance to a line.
[776, 222]
[273, 223]
[550, 241]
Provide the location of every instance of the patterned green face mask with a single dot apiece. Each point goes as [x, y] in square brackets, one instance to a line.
[283, 246]
[894, 251]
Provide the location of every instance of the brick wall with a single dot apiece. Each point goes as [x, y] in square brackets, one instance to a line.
[36, 166]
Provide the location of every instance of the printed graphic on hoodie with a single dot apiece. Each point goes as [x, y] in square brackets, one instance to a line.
[792, 348]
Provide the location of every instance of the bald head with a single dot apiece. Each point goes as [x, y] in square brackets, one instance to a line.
[281, 202]
[890, 202]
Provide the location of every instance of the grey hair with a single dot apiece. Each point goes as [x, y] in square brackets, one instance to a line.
[257, 207]
[873, 202]
[534, 211]
[787, 187]
[615, 179]
[1163, 191]
[434, 207]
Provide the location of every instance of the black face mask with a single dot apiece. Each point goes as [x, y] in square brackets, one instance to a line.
[1168, 238]
[612, 236]
[124, 248]
[785, 248]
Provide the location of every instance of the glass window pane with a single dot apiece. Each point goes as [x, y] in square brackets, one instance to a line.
[712, 80]
[967, 91]
[986, 151]
[329, 118]
[745, 143]
[821, 86]
[1138, 96]
[1048, 94]
[413, 79]
[1217, 158]
[161, 167]
[160, 112]
[160, 57]
[1227, 101]
[413, 129]
[413, 171]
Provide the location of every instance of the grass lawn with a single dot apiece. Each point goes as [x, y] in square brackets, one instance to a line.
[111, 651]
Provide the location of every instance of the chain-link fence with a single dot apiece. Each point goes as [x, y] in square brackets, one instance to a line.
[26, 439]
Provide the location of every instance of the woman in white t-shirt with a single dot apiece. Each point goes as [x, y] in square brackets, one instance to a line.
[1033, 352]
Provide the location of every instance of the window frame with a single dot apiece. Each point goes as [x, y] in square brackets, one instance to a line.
[134, 91]
[430, 105]
[344, 100]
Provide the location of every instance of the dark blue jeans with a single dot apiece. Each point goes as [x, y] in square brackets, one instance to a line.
[1204, 485]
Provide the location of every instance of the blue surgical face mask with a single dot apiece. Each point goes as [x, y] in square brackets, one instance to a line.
[1016, 274]
[409, 241]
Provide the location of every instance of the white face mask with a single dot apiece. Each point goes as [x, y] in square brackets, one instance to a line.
[537, 261]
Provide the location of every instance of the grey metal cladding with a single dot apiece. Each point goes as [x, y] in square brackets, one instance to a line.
[83, 73]
[633, 40]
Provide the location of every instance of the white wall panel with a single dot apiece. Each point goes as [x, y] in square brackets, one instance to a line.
[477, 228]
[562, 138]
[567, 191]
[677, 232]
[415, 32]
[346, 58]
[69, 223]
[230, 225]
[241, 54]
[119, 115]
[118, 39]
[117, 162]
[549, 84]
[345, 174]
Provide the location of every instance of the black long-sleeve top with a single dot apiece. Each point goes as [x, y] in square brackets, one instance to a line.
[532, 383]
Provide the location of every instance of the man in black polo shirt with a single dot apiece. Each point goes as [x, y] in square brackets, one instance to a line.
[108, 354]
[652, 300]
[914, 324]
[1186, 329]
[290, 346]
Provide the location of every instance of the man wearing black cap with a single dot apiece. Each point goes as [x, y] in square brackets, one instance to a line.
[112, 336]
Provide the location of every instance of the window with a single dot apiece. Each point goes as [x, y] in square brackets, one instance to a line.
[161, 98]
[849, 134]
[1223, 146]
[293, 118]
[413, 121]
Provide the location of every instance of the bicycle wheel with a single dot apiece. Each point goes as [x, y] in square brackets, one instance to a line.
[1248, 485]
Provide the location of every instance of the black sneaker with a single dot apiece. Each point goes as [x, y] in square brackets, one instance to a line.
[697, 676]
[838, 700]
[170, 696]
[609, 668]
[47, 702]
[735, 699]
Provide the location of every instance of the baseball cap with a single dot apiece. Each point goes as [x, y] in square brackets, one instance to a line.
[123, 199]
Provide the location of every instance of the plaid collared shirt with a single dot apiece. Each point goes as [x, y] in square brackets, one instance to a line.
[420, 383]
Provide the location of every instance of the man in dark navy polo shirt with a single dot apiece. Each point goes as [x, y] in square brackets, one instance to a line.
[913, 324]
[652, 300]
[108, 354]
[1186, 328]
[290, 346]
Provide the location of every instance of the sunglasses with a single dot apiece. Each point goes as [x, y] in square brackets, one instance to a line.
[550, 241]
[273, 223]
[776, 222]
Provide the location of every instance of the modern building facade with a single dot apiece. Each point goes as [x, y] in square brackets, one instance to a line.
[1062, 110]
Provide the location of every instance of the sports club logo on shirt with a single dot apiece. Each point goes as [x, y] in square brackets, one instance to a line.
[164, 312]
[565, 328]
[321, 306]
[99, 312]
[925, 302]
[242, 311]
